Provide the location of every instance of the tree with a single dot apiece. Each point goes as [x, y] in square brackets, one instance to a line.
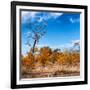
[37, 31]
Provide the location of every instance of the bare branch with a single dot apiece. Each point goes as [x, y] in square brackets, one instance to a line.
[37, 31]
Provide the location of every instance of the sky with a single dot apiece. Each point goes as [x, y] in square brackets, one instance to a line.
[62, 30]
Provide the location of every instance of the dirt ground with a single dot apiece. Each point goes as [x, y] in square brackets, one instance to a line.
[54, 70]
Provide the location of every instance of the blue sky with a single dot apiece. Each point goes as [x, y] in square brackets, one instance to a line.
[62, 30]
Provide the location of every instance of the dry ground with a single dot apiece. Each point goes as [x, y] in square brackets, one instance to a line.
[54, 70]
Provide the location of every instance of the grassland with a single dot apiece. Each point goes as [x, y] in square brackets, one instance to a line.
[50, 63]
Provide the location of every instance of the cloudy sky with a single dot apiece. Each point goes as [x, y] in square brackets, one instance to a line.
[62, 31]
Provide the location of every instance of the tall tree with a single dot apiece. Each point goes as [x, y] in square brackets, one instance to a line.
[37, 30]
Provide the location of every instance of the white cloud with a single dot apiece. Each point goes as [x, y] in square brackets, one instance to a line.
[76, 41]
[74, 20]
[55, 15]
[51, 16]
[45, 16]
[28, 15]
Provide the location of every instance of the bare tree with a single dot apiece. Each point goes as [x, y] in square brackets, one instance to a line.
[37, 30]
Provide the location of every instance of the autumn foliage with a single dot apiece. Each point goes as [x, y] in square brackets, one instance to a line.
[45, 57]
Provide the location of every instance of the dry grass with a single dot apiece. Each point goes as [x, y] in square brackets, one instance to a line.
[50, 63]
[51, 71]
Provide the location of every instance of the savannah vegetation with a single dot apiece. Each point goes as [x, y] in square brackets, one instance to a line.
[45, 61]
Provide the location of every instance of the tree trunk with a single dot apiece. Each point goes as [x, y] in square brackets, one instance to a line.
[33, 46]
